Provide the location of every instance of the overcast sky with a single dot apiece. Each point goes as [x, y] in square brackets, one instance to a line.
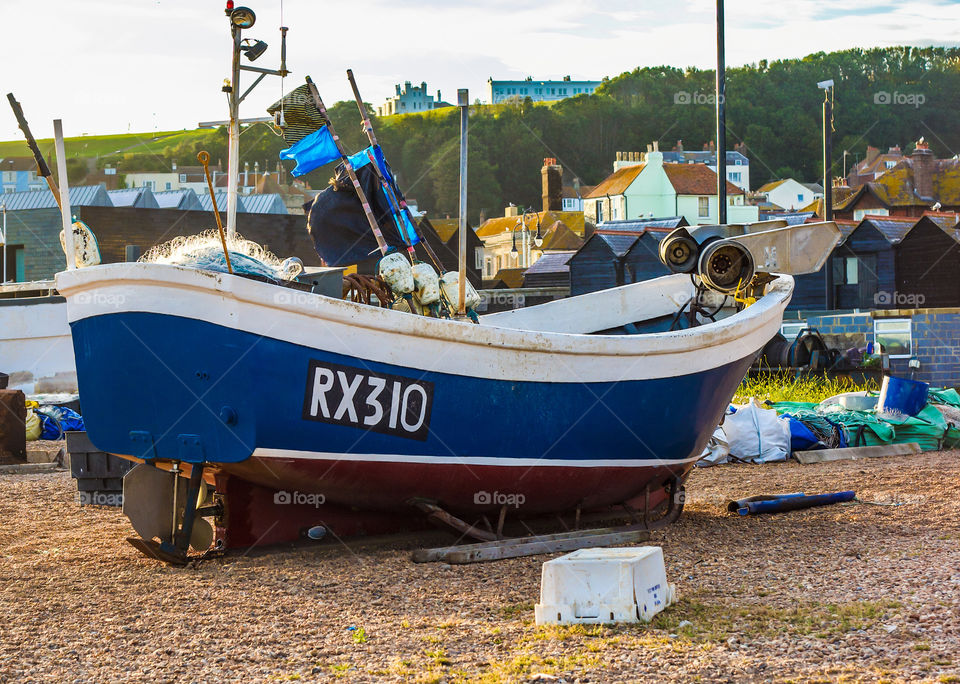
[153, 65]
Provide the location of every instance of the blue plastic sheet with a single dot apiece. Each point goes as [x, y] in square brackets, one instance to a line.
[312, 152]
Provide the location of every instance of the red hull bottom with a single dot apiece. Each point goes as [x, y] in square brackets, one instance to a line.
[273, 501]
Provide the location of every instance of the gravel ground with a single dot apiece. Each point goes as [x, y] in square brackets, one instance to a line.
[841, 593]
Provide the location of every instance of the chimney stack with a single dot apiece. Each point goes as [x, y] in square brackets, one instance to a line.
[551, 181]
[923, 168]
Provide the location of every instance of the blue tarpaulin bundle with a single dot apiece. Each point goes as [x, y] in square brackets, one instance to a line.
[336, 221]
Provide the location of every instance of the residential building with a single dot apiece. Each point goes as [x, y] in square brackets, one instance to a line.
[738, 166]
[788, 194]
[509, 241]
[409, 99]
[643, 186]
[538, 91]
[914, 184]
[19, 174]
[874, 165]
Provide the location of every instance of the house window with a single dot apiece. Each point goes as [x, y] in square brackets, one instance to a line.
[599, 211]
[183, 179]
[894, 335]
[478, 257]
[499, 266]
[799, 199]
[703, 207]
[858, 214]
[734, 176]
[148, 184]
[614, 210]
[851, 271]
[169, 187]
[487, 269]
[890, 164]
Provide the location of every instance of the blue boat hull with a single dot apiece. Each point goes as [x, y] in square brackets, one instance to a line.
[267, 410]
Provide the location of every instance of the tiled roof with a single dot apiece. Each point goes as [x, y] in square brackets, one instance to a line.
[445, 227]
[270, 203]
[18, 164]
[947, 220]
[619, 244]
[185, 199]
[617, 182]
[559, 237]
[846, 227]
[695, 179]
[894, 228]
[511, 277]
[640, 225]
[494, 226]
[771, 185]
[552, 262]
[133, 197]
[206, 204]
[792, 218]
[80, 196]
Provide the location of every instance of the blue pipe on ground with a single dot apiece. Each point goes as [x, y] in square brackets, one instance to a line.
[787, 502]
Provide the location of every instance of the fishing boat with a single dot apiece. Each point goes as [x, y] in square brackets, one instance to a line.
[298, 414]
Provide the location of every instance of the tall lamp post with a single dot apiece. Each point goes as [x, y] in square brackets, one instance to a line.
[721, 96]
[827, 87]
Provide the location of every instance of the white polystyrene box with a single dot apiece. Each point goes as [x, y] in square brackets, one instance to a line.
[594, 586]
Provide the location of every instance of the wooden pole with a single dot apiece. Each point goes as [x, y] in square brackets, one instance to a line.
[463, 101]
[64, 196]
[372, 137]
[42, 169]
[371, 219]
[204, 158]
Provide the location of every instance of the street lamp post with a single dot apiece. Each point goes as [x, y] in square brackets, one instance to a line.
[525, 237]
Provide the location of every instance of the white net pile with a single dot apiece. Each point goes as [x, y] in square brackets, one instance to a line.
[205, 251]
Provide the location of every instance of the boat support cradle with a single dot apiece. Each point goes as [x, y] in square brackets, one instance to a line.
[494, 547]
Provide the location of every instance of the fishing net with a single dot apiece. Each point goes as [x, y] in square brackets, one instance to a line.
[300, 114]
[204, 251]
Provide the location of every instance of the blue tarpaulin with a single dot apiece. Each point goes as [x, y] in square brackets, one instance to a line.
[312, 152]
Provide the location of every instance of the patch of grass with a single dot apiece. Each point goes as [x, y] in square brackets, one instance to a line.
[515, 609]
[715, 623]
[359, 634]
[439, 656]
[336, 670]
[948, 679]
[920, 646]
[786, 386]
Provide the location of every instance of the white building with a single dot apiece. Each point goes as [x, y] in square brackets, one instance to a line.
[411, 99]
[790, 195]
[538, 91]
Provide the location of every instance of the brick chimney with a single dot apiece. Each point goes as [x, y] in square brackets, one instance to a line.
[551, 181]
[923, 168]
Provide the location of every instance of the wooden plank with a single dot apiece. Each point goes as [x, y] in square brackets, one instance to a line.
[854, 453]
[531, 546]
